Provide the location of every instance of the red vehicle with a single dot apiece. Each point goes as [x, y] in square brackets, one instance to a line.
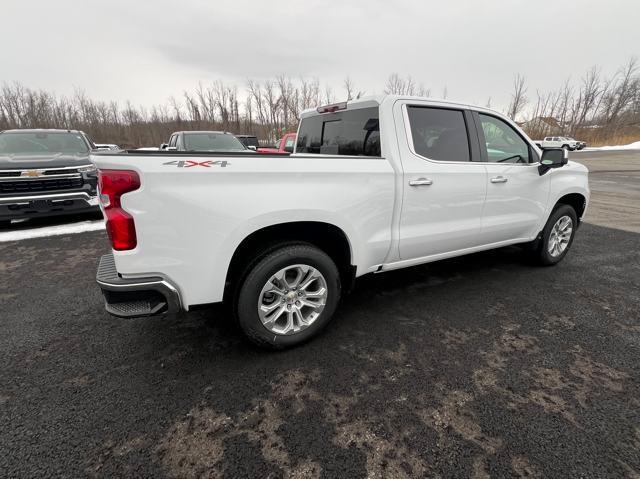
[284, 145]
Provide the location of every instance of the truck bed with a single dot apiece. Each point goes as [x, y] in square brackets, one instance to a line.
[193, 210]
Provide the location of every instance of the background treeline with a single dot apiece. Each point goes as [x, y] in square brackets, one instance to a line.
[595, 108]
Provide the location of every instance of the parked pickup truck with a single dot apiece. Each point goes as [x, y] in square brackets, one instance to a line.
[559, 142]
[45, 173]
[580, 145]
[286, 144]
[250, 141]
[204, 141]
[374, 185]
[106, 146]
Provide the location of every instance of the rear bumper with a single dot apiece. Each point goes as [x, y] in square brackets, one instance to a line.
[133, 298]
[22, 207]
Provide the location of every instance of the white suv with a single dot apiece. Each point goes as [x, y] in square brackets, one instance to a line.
[558, 142]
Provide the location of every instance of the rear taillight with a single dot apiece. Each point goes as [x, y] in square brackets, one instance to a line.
[112, 184]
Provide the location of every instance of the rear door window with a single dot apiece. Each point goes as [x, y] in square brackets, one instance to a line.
[439, 134]
[351, 132]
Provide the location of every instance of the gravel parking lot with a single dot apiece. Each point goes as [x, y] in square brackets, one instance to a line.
[614, 178]
[478, 366]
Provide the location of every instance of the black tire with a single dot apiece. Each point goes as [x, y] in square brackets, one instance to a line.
[540, 248]
[248, 295]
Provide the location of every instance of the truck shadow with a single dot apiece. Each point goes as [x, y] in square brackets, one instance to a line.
[399, 286]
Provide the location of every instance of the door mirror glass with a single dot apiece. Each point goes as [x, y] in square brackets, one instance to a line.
[553, 158]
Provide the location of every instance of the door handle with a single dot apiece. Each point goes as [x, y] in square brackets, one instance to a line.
[420, 182]
[499, 179]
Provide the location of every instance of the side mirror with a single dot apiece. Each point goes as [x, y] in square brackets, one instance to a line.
[251, 147]
[171, 148]
[552, 158]
[163, 146]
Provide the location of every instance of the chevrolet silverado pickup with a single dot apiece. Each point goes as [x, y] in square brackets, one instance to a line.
[373, 185]
[44, 173]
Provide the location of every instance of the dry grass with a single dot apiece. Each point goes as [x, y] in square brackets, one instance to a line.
[616, 139]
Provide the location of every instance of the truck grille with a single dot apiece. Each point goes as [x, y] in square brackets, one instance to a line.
[51, 172]
[59, 171]
[39, 185]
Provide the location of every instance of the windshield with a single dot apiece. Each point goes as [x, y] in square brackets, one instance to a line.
[17, 143]
[249, 141]
[212, 142]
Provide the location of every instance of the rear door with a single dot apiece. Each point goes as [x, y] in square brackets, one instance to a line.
[444, 181]
[516, 193]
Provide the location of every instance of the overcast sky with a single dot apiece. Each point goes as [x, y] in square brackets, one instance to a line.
[148, 51]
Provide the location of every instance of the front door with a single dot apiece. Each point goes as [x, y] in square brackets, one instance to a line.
[516, 193]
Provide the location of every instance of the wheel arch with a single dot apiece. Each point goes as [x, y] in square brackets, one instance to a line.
[577, 201]
[326, 236]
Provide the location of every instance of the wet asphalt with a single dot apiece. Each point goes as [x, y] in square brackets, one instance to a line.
[479, 366]
[482, 366]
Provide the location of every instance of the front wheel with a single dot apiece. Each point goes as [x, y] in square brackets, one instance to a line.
[289, 296]
[557, 236]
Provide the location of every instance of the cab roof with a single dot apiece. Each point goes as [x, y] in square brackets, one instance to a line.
[376, 100]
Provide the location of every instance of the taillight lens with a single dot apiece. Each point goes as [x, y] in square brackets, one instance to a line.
[112, 184]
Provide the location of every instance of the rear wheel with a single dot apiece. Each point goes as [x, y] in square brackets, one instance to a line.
[288, 296]
[557, 236]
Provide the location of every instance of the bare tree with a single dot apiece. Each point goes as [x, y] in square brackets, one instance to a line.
[352, 92]
[518, 98]
[598, 108]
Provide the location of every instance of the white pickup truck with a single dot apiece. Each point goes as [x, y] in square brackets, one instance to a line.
[559, 142]
[374, 185]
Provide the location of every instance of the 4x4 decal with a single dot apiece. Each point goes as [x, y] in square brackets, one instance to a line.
[191, 163]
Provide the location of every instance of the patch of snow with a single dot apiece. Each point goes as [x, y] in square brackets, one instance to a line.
[73, 228]
[630, 146]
